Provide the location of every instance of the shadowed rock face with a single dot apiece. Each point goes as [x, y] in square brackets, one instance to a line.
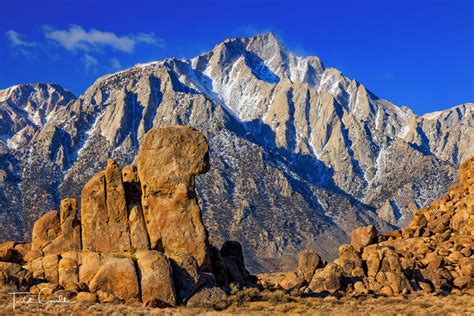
[136, 223]
[142, 234]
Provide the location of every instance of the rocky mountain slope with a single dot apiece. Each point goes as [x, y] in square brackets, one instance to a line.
[24, 110]
[301, 154]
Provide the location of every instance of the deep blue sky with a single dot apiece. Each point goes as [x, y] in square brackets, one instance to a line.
[415, 53]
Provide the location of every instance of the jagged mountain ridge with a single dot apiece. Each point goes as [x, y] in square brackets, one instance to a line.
[300, 153]
[25, 109]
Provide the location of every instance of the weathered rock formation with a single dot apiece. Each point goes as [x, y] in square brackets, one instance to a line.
[434, 253]
[140, 236]
[167, 162]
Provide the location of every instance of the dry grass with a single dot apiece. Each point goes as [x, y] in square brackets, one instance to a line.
[252, 302]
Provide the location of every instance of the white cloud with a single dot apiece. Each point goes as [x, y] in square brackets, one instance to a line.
[150, 38]
[90, 63]
[16, 39]
[19, 45]
[76, 38]
[115, 64]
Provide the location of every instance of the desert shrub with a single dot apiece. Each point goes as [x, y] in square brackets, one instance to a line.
[278, 297]
[245, 295]
[234, 288]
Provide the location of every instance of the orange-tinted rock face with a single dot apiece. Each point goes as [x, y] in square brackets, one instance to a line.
[70, 225]
[466, 173]
[167, 162]
[46, 229]
[117, 207]
[364, 236]
[118, 277]
[55, 232]
[95, 235]
[104, 213]
[69, 238]
[156, 281]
